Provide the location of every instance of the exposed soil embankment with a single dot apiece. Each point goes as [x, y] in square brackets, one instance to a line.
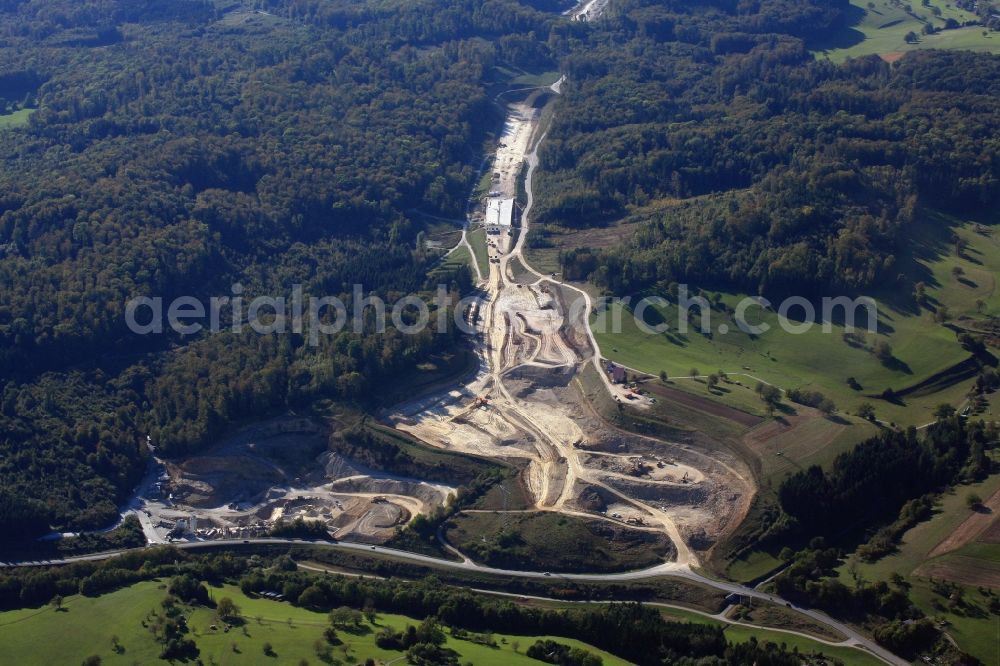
[706, 405]
[280, 471]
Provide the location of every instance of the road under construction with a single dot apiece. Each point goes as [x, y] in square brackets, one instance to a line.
[527, 402]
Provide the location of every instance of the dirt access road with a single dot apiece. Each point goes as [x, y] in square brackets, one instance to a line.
[527, 402]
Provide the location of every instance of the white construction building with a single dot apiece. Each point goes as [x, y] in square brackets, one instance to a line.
[499, 215]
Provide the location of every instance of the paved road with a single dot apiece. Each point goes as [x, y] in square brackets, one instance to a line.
[721, 616]
[667, 569]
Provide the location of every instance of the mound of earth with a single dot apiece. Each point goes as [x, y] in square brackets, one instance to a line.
[426, 493]
[591, 500]
[525, 378]
[210, 481]
[659, 493]
[336, 466]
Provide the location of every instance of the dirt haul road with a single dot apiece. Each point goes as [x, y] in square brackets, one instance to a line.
[527, 401]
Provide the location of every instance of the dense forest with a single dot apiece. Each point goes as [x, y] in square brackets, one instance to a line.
[751, 164]
[181, 148]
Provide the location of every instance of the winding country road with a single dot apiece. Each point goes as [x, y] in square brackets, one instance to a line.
[854, 639]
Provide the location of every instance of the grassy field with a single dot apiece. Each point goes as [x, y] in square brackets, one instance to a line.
[849, 656]
[797, 438]
[741, 634]
[882, 26]
[921, 540]
[782, 451]
[509, 495]
[483, 186]
[544, 260]
[815, 441]
[753, 565]
[521, 78]
[767, 614]
[822, 361]
[543, 79]
[814, 360]
[547, 540]
[970, 624]
[477, 239]
[87, 626]
[922, 349]
[16, 119]
[520, 273]
[458, 257]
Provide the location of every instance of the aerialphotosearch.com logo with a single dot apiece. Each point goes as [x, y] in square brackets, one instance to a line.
[316, 316]
[312, 316]
[796, 315]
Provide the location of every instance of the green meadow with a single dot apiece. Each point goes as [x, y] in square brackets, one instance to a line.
[742, 633]
[846, 655]
[880, 27]
[921, 346]
[17, 119]
[87, 627]
[477, 239]
[459, 256]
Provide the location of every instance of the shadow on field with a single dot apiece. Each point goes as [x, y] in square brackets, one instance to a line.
[844, 37]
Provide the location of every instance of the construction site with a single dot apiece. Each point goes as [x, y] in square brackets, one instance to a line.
[527, 402]
[275, 473]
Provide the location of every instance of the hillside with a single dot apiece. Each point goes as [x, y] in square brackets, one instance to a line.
[202, 150]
